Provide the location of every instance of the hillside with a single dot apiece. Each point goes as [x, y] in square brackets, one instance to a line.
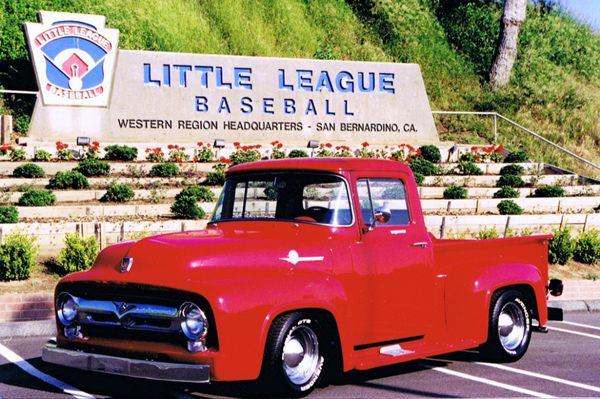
[555, 88]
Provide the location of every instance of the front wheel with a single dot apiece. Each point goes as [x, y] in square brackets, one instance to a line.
[509, 327]
[294, 356]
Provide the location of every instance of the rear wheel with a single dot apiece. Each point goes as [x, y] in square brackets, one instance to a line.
[509, 327]
[294, 359]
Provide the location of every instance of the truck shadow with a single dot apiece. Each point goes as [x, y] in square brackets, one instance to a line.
[368, 382]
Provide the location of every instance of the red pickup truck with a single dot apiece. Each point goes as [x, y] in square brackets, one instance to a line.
[308, 268]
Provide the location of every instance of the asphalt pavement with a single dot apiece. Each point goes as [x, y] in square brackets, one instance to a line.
[565, 362]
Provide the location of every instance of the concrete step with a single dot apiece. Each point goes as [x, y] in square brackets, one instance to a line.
[50, 236]
[16, 184]
[491, 180]
[488, 192]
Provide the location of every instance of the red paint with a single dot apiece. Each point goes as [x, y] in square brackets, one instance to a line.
[375, 284]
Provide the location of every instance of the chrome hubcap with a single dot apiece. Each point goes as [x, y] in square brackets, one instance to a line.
[511, 326]
[300, 354]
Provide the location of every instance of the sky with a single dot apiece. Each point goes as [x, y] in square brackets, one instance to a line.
[585, 10]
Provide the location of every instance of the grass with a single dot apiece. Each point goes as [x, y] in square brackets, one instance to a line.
[555, 88]
[41, 280]
[575, 270]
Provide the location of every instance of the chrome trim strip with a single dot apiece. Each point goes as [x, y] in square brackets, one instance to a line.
[132, 316]
[178, 372]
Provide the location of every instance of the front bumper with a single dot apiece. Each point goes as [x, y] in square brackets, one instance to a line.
[177, 372]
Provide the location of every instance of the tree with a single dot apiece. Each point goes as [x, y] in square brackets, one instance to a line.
[506, 52]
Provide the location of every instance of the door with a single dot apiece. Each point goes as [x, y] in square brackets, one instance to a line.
[393, 259]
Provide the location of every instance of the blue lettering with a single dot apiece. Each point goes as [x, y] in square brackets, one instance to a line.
[386, 82]
[220, 82]
[310, 108]
[204, 70]
[324, 81]
[282, 84]
[148, 81]
[346, 109]
[166, 75]
[268, 106]
[246, 106]
[344, 82]
[361, 82]
[201, 104]
[183, 70]
[223, 105]
[241, 78]
[289, 105]
[304, 79]
[327, 110]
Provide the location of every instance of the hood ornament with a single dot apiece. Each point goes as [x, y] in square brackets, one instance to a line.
[126, 264]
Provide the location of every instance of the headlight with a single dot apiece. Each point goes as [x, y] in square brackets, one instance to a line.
[66, 308]
[193, 321]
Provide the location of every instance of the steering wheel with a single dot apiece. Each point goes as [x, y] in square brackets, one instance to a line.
[315, 212]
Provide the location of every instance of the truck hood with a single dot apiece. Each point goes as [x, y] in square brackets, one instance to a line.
[231, 250]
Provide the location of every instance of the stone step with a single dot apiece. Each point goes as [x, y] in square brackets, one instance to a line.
[491, 180]
[50, 236]
[66, 196]
[488, 192]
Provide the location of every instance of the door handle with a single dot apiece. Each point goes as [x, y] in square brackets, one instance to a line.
[421, 244]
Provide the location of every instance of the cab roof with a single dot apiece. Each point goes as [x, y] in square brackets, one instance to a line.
[335, 165]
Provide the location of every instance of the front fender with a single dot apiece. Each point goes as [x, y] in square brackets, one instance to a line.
[244, 314]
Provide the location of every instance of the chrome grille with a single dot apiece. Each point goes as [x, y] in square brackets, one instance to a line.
[131, 316]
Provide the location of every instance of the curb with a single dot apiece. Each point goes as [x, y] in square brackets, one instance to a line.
[576, 305]
[28, 328]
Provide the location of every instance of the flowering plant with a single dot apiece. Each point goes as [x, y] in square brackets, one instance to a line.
[342, 151]
[405, 153]
[382, 153]
[276, 150]
[5, 148]
[324, 150]
[245, 153]
[14, 153]
[491, 153]
[62, 151]
[92, 150]
[155, 155]
[203, 153]
[364, 151]
[177, 153]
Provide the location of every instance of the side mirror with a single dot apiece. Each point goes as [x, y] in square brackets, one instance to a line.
[383, 214]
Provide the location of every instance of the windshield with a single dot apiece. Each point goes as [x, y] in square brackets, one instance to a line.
[309, 197]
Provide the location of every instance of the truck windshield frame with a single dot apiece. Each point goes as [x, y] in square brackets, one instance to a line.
[290, 196]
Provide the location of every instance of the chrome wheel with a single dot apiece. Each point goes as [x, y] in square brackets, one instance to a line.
[300, 354]
[512, 328]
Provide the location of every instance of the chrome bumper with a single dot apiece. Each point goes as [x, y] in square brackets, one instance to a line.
[178, 372]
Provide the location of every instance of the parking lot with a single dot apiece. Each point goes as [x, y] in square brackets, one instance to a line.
[565, 362]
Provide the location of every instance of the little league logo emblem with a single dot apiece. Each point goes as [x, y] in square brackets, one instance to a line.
[73, 57]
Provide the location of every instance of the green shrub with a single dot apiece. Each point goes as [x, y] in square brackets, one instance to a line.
[431, 153]
[68, 180]
[297, 154]
[202, 194]
[78, 254]
[516, 156]
[487, 234]
[93, 167]
[17, 154]
[118, 193]
[419, 178]
[37, 198]
[468, 157]
[560, 247]
[455, 192]
[186, 207]
[424, 167]
[241, 156]
[469, 168]
[509, 207]
[507, 192]
[215, 178]
[512, 169]
[120, 153]
[167, 169]
[510, 180]
[9, 214]
[17, 257]
[587, 247]
[42, 156]
[549, 191]
[29, 170]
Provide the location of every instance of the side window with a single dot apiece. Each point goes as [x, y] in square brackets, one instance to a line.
[376, 193]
